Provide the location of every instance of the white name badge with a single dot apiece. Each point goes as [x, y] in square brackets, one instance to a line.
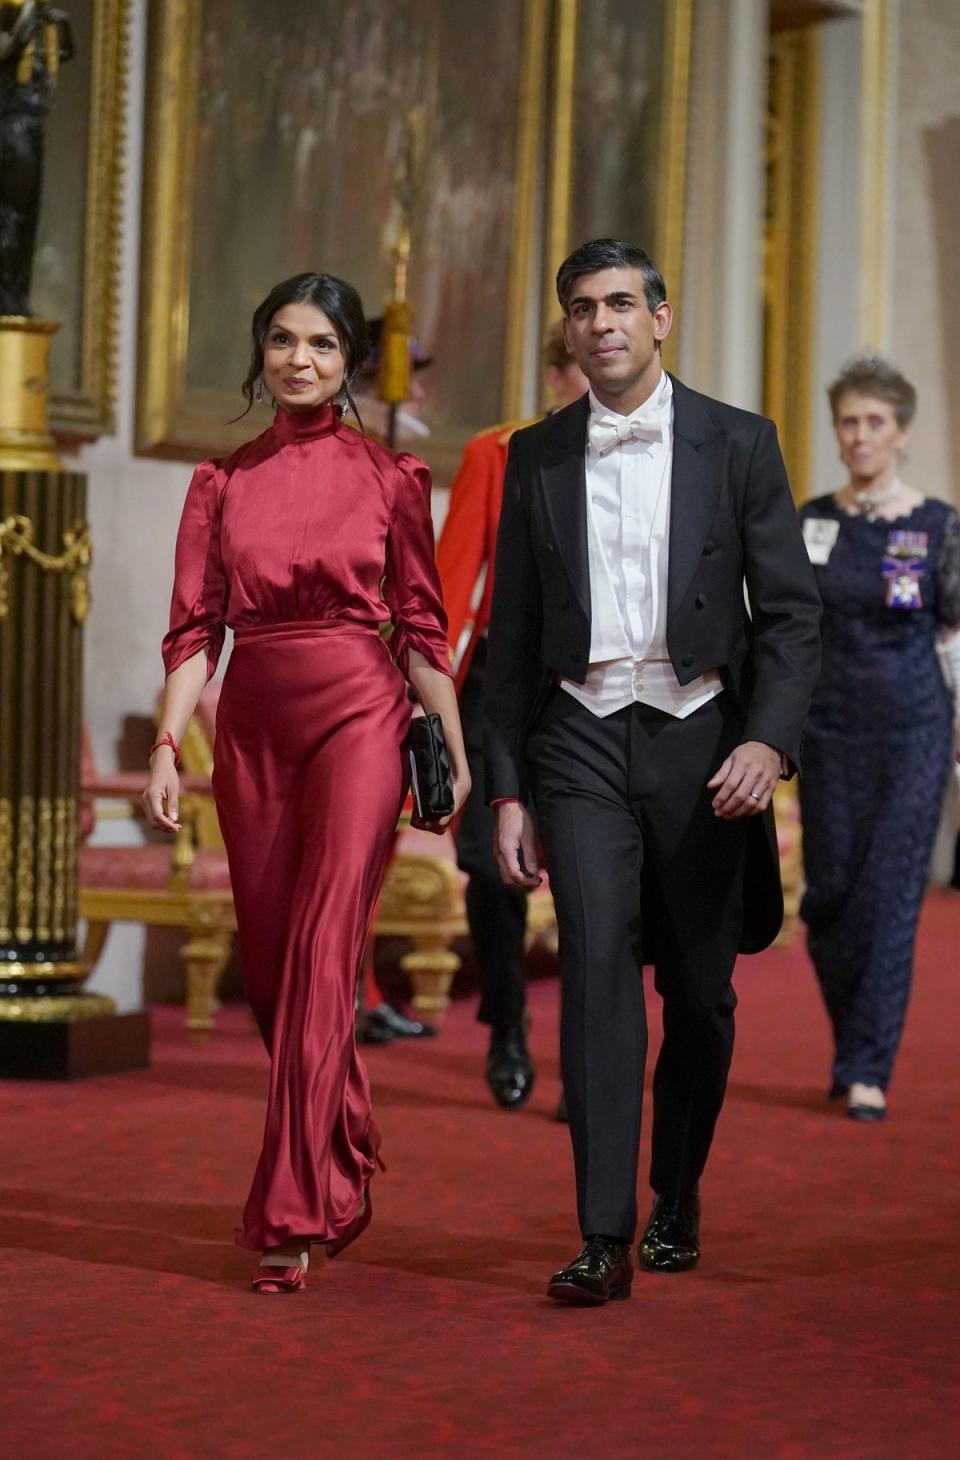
[820, 534]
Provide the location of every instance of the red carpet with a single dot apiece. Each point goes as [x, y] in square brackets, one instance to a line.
[821, 1324]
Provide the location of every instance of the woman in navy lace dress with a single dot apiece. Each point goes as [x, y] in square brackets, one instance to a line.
[881, 733]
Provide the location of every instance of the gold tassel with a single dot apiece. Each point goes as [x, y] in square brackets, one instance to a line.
[51, 40]
[393, 375]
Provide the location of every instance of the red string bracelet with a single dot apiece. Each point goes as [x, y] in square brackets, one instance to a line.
[167, 739]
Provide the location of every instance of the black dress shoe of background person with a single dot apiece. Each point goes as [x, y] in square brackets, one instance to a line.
[671, 1242]
[510, 1072]
[369, 1030]
[400, 1024]
[601, 1273]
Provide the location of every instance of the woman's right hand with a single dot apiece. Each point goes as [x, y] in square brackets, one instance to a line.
[162, 790]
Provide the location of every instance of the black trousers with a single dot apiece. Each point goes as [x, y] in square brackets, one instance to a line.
[641, 870]
[496, 914]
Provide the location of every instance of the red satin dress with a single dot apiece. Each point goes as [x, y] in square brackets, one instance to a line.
[304, 542]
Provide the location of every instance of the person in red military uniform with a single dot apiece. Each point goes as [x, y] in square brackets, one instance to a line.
[497, 914]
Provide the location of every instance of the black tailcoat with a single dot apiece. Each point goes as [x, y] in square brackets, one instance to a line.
[732, 526]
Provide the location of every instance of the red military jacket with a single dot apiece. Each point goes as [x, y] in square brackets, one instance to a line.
[468, 541]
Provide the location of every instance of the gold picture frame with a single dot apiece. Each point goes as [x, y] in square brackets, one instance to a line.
[184, 421]
[675, 19]
[77, 269]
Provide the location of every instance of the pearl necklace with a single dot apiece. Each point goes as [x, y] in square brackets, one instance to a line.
[867, 504]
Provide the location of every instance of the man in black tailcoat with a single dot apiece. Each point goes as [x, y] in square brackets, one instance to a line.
[647, 705]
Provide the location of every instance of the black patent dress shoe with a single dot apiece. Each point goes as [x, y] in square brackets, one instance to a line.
[510, 1072]
[369, 1031]
[671, 1242]
[401, 1025]
[601, 1273]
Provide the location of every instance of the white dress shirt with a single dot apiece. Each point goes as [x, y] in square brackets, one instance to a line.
[628, 521]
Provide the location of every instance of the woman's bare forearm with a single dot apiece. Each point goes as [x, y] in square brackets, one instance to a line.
[181, 694]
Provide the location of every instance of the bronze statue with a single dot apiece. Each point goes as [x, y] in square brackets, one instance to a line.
[34, 40]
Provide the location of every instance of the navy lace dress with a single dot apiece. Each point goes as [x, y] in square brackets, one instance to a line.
[877, 754]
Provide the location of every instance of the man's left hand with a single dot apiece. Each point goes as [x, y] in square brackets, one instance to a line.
[746, 780]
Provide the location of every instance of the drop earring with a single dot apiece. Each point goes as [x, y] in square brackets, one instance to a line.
[258, 394]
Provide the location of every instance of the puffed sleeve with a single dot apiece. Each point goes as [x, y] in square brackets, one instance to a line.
[948, 574]
[412, 584]
[199, 603]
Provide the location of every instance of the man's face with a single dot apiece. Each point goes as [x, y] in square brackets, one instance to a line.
[610, 331]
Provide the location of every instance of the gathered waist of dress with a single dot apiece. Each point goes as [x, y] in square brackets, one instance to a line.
[300, 628]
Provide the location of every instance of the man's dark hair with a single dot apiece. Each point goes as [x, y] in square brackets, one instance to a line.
[610, 253]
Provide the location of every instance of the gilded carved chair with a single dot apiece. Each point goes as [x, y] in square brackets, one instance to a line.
[183, 884]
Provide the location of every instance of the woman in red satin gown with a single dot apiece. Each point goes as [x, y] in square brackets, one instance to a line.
[305, 541]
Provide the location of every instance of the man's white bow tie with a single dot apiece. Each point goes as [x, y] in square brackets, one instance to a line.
[606, 432]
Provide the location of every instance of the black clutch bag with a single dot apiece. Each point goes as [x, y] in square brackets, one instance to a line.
[431, 779]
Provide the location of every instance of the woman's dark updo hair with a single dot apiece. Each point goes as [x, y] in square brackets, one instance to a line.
[342, 305]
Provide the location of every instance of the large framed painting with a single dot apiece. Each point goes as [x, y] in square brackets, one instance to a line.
[274, 138]
[76, 265]
[619, 118]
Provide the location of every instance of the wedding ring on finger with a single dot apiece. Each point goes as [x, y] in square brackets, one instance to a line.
[753, 796]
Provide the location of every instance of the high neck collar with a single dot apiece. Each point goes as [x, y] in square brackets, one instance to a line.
[307, 425]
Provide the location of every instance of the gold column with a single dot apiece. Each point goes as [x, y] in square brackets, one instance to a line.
[790, 246]
[44, 595]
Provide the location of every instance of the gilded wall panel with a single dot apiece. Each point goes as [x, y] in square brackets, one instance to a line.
[76, 266]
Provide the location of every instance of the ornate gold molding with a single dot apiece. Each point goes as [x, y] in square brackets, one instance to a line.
[672, 166]
[60, 864]
[89, 410]
[50, 1008]
[17, 537]
[874, 167]
[560, 152]
[173, 39]
[6, 869]
[790, 246]
[44, 889]
[24, 873]
[523, 264]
